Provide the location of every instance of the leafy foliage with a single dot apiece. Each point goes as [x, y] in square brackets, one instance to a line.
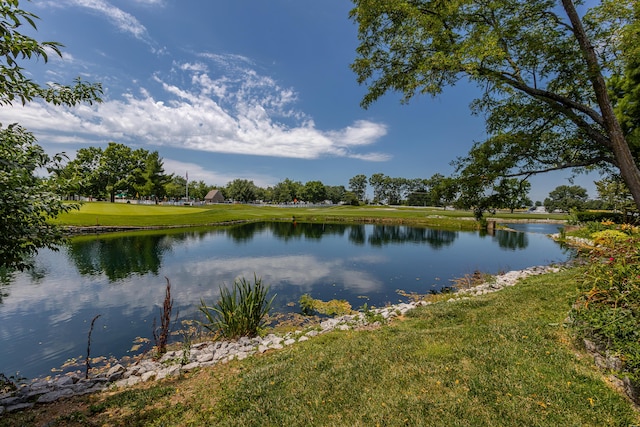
[239, 312]
[545, 99]
[358, 185]
[588, 216]
[242, 190]
[566, 198]
[608, 310]
[117, 169]
[615, 194]
[27, 201]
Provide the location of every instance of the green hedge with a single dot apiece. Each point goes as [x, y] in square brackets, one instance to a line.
[587, 216]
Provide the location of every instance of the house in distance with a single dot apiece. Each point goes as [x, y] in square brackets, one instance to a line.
[214, 196]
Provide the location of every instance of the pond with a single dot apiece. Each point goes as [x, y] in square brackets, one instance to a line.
[45, 314]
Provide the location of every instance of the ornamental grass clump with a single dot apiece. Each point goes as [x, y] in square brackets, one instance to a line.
[608, 309]
[240, 312]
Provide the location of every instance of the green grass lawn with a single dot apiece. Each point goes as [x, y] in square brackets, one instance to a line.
[503, 359]
[121, 214]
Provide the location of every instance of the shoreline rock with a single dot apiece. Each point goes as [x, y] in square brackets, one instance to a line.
[209, 353]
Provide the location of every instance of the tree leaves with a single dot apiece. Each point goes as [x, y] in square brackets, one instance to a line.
[27, 201]
[541, 73]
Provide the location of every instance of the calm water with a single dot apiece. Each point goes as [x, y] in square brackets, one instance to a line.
[45, 314]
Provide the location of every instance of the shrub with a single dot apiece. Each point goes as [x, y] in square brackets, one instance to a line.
[334, 307]
[588, 216]
[609, 238]
[240, 312]
[608, 310]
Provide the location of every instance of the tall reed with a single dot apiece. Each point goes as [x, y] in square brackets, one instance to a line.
[161, 334]
[239, 312]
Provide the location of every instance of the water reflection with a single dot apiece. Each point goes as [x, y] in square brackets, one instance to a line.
[511, 240]
[388, 234]
[121, 256]
[44, 314]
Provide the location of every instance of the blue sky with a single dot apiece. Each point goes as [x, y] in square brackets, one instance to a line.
[227, 89]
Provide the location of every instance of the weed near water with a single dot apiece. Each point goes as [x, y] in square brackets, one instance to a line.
[239, 312]
[498, 360]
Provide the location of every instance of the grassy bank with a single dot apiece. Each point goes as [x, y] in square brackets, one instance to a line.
[119, 214]
[498, 360]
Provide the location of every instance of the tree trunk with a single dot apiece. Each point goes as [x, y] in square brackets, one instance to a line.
[626, 163]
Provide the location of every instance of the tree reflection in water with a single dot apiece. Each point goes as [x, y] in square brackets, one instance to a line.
[123, 255]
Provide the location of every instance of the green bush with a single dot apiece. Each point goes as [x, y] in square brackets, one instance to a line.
[609, 238]
[334, 307]
[588, 216]
[240, 312]
[608, 310]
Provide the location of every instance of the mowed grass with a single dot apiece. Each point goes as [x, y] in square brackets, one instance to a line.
[504, 359]
[133, 215]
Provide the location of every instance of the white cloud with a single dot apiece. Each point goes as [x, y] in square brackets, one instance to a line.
[200, 173]
[237, 112]
[122, 20]
[150, 2]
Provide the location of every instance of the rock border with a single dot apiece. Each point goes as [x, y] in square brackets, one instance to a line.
[210, 353]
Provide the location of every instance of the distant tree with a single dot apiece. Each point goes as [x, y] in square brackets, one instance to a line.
[314, 192]
[419, 192]
[121, 169]
[261, 193]
[176, 188]
[474, 195]
[27, 202]
[594, 204]
[378, 181]
[566, 198]
[83, 172]
[199, 189]
[512, 193]
[443, 190]
[351, 199]
[336, 193]
[358, 185]
[396, 190]
[388, 190]
[153, 179]
[614, 194]
[286, 191]
[241, 190]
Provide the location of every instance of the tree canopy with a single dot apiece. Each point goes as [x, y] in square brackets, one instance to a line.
[566, 198]
[27, 201]
[547, 75]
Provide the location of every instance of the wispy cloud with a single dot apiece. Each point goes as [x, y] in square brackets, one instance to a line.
[232, 109]
[122, 20]
[202, 173]
[150, 2]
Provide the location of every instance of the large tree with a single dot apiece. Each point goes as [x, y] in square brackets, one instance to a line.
[27, 202]
[566, 198]
[358, 185]
[314, 192]
[286, 191]
[241, 190]
[540, 64]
